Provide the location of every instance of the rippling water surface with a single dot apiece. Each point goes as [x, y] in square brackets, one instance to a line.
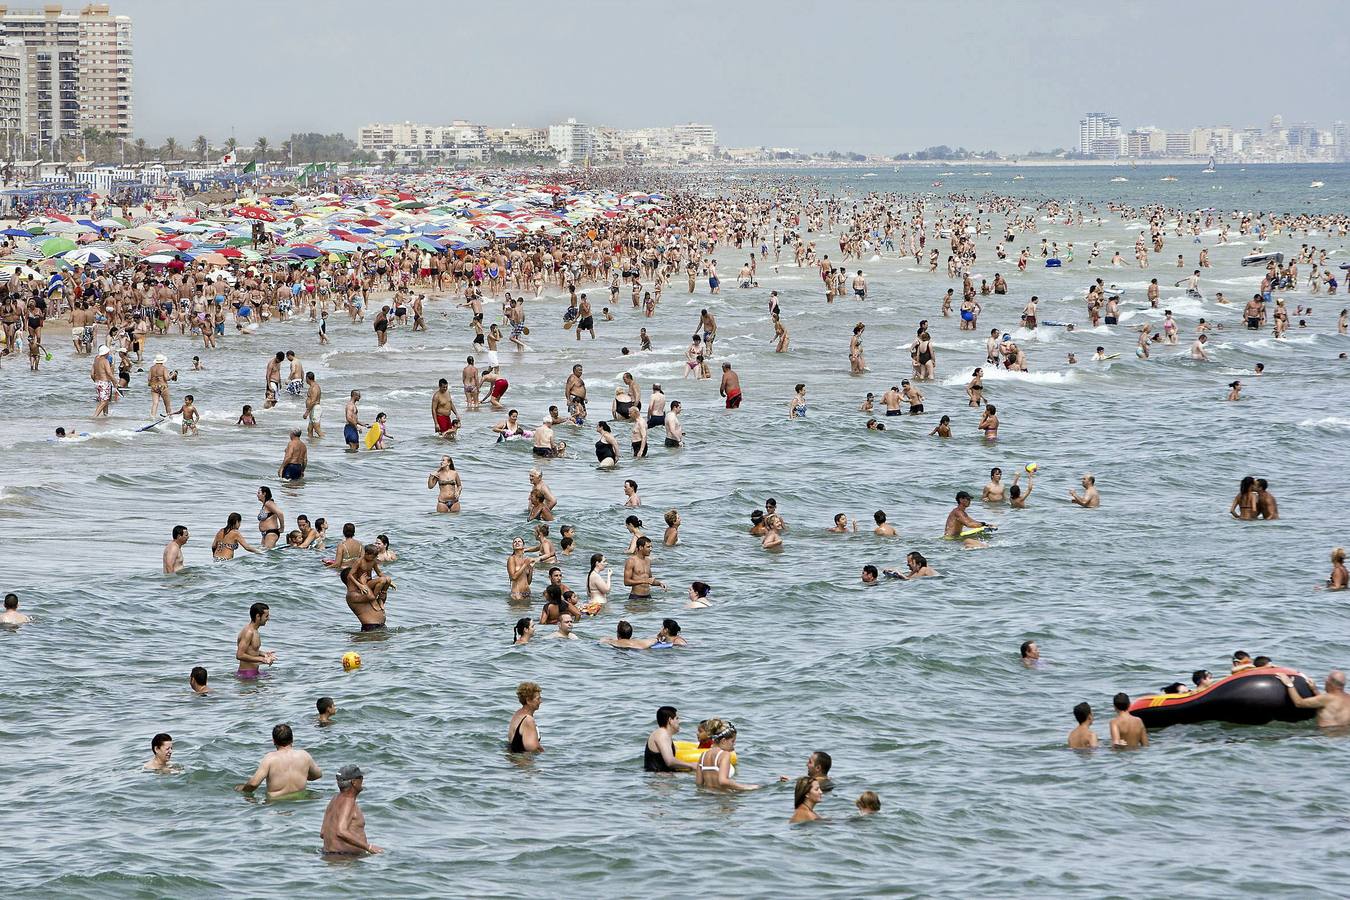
[914, 688]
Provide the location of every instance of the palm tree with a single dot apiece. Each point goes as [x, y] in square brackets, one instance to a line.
[231, 145]
[202, 146]
[171, 148]
[260, 149]
[140, 149]
[286, 150]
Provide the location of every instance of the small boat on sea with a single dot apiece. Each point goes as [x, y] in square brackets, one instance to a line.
[1168, 178]
[1119, 178]
[1251, 697]
[1260, 259]
[1317, 184]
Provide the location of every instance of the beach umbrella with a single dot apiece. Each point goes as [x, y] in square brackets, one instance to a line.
[230, 252]
[140, 233]
[17, 232]
[57, 245]
[212, 259]
[304, 251]
[254, 212]
[158, 259]
[89, 256]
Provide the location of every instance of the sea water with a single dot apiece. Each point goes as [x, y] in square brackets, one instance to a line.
[914, 688]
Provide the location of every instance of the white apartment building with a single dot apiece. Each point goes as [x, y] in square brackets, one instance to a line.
[377, 138]
[78, 69]
[1098, 130]
[574, 141]
[13, 95]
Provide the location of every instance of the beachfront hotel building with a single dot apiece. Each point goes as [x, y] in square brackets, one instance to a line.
[1099, 135]
[574, 142]
[77, 70]
[13, 95]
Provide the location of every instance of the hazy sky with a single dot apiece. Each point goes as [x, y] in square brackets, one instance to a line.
[865, 75]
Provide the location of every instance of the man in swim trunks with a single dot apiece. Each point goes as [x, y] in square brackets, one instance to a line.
[295, 459]
[892, 400]
[585, 317]
[574, 389]
[102, 376]
[351, 433]
[444, 415]
[730, 387]
[367, 589]
[913, 396]
[1332, 705]
[544, 443]
[287, 769]
[313, 410]
[958, 520]
[499, 386]
[248, 649]
[637, 571]
[472, 381]
[1252, 312]
[674, 430]
[295, 385]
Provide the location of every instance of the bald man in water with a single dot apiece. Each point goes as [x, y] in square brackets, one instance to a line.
[1332, 705]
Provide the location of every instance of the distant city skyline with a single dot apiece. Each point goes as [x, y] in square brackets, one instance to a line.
[862, 75]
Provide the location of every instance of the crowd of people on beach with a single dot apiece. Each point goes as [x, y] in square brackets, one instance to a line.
[120, 308]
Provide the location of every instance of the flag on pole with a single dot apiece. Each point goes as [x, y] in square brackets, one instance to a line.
[229, 159]
[251, 167]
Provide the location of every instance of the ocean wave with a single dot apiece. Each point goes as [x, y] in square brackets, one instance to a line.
[992, 374]
[1327, 423]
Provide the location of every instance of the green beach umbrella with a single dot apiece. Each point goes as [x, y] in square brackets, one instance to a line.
[57, 245]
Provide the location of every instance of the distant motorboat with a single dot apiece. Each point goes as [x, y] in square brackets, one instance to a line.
[1168, 178]
[1119, 178]
[869, 175]
[1019, 178]
[1316, 184]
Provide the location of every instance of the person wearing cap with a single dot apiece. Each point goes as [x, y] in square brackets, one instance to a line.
[158, 380]
[102, 376]
[544, 443]
[344, 825]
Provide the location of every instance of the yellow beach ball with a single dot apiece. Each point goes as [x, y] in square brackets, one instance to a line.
[1031, 468]
[351, 660]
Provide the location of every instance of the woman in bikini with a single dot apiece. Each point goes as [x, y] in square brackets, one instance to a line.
[446, 481]
[1244, 504]
[714, 765]
[270, 518]
[228, 539]
[975, 389]
[522, 734]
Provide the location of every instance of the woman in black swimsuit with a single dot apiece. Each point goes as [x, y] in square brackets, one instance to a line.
[607, 448]
[522, 734]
